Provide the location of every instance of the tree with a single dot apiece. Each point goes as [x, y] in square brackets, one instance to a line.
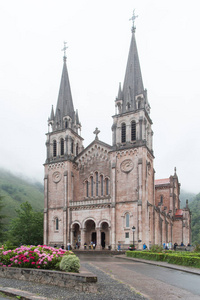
[27, 227]
[2, 234]
[195, 224]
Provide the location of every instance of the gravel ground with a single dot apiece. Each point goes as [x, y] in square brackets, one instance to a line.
[108, 288]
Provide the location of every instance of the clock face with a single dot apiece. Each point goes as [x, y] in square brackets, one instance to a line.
[56, 176]
[127, 166]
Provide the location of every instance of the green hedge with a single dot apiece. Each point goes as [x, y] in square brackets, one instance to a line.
[177, 258]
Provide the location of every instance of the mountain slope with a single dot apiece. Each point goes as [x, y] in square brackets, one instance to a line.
[16, 191]
[195, 224]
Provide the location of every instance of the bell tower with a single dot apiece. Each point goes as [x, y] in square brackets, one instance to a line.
[132, 156]
[131, 122]
[63, 144]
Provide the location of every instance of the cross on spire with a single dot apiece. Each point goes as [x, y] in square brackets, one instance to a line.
[97, 131]
[64, 49]
[133, 20]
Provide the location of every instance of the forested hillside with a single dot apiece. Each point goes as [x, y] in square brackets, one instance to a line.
[195, 210]
[15, 191]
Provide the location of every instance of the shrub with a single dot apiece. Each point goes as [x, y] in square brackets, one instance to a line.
[40, 257]
[178, 258]
[156, 248]
[70, 264]
[197, 248]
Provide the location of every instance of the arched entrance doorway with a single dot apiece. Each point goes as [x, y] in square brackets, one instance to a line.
[76, 237]
[105, 239]
[90, 232]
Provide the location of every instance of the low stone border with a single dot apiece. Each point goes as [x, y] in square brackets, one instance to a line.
[80, 282]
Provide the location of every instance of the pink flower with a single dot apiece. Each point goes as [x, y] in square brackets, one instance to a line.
[33, 263]
[16, 261]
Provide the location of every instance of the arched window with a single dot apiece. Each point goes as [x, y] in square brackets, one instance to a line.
[161, 199]
[54, 148]
[107, 186]
[72, 146]
[76, 149]
[92, 192]
[62, 146]
[97, 184]
[57, 224]
[101, 180]
[133, 131]
[66, 124]
[87, 189]
[123, 133]
[127, 220]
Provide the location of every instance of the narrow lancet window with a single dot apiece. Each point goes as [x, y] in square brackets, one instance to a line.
[87, 189]
[107, 186]
[57, 224]
[123, 133]
[72, 146]
[92, 192]
[76, 149]
[54, 148]
[133, 131]
[97, 184]
[61, 147]
[127, 220]
[101, 177]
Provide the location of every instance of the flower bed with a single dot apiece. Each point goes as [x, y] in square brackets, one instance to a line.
[178, 258]
[38, 257]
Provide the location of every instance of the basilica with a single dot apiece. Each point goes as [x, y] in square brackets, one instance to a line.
[107, 194]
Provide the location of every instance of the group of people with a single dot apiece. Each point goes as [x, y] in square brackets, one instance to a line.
[92, 245]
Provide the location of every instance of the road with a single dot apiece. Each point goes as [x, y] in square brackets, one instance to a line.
[154, 282]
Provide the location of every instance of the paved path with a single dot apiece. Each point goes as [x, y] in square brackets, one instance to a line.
[173, 282]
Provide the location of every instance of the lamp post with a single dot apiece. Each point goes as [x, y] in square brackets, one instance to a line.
[133, 229]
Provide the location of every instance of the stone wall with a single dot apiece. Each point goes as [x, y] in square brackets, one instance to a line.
[86, 282]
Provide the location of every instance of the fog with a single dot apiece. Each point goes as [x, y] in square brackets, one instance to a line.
[98, 36]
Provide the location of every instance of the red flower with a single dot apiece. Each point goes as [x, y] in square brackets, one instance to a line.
[33, 263]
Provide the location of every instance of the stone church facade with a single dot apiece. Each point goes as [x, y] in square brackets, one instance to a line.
[99, 193]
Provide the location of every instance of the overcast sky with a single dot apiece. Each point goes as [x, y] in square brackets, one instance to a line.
[98, 35]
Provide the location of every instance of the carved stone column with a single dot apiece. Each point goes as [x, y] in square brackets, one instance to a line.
[72, 238]
[83, 230]
[98, 232]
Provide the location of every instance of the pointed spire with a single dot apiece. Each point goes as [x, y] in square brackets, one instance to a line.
[133, 83]
[52, 114]
[65, 105]
[77, 118]
[119, 97]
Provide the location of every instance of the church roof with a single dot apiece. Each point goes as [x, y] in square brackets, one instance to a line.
[179, 213]
[162, 181]
[65, 105]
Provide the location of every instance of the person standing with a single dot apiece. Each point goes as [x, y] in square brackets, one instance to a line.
[144, 246]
